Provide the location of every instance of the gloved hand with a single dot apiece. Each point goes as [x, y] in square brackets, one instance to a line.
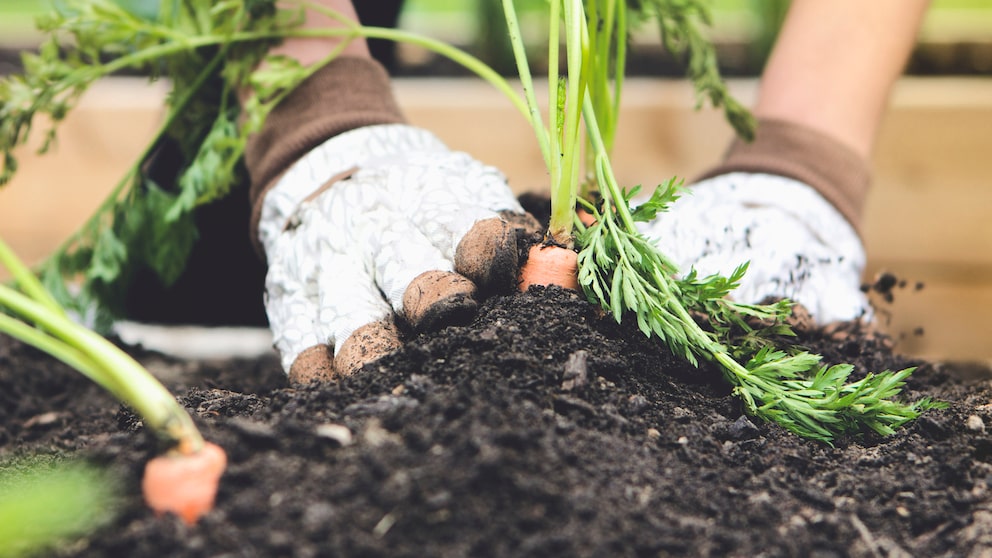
[799, 246]
[404, 227]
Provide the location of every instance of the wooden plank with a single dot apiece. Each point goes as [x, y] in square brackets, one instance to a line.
[950, 318]
[932, 196]
[52, 195]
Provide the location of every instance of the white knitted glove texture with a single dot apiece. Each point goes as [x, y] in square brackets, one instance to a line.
[799, 246]
[347, 255]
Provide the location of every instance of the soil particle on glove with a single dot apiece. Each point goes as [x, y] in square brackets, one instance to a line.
[540, 429]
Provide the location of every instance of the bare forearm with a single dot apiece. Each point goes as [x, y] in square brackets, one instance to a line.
[835, 62]
[310, 50]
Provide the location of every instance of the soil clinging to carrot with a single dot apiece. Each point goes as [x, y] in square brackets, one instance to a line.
[540, 429]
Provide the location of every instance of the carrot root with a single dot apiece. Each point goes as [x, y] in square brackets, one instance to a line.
[184, 484]
[550, 265]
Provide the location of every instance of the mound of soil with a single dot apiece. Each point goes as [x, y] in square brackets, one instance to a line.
[540, 429]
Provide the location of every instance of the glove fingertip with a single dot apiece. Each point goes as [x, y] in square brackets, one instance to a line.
[522, 223]
[801, 319]
[487, 255]
[368, 343]
[318, 364]
[314, 364]
[435, 299]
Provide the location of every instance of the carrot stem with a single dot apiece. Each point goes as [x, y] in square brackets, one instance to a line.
[564, 193]
[91, 354]
[527, 82]
[556, 94]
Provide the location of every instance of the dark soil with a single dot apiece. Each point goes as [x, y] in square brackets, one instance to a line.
[538, 430]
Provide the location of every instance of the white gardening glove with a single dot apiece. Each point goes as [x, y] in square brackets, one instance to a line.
[798, 245]
[385, 241]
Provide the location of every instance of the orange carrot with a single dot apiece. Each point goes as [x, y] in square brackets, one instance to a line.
[184, 484]
[550, 265]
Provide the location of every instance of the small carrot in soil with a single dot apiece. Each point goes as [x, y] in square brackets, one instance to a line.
[184, 483]
[550, 265]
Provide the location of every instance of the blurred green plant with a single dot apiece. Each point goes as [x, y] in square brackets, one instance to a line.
[45, 503]
[147, 9]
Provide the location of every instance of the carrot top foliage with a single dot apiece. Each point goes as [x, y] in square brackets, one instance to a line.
[625, 272]
[211, 49]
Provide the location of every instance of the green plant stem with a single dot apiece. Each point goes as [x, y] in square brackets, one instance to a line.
[91, 354]
[564, 192]
[55, 347]
[26, 280]
[128, 178]
[106, 365]
[559, 141]
[620, 70]
[527, 82]
[555, 95]
[601, 37]
[608, 37]
[610, 188]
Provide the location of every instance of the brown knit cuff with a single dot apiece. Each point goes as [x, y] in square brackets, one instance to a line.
[787, 149]
[346, 94]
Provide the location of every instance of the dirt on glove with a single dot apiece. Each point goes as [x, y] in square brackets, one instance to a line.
[540, 429]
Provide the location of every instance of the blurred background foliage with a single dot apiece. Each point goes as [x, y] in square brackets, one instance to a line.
[47, 502]
[956, 37]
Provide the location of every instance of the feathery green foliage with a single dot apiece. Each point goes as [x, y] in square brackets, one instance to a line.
[625, 272]
[680, 24]
[207, 50]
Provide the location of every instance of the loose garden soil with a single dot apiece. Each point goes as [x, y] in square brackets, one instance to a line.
[540, 429]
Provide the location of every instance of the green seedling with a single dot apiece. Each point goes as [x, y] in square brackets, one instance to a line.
[183, 481]
[45, 505]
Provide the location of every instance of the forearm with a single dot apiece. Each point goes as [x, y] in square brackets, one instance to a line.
[310, 50]
[834, 64]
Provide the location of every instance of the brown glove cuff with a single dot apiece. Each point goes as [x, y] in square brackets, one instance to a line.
[787, 149]
[346, 94]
